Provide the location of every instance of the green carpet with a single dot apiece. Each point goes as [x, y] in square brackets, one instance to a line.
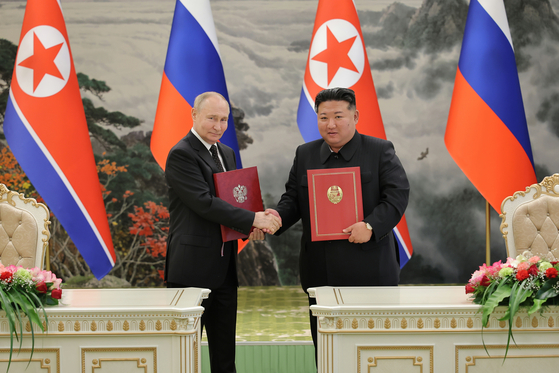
[273, 314]
[273, 332]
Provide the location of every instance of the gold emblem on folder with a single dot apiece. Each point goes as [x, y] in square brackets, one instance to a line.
[335, 194]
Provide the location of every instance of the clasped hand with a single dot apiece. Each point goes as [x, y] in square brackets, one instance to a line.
[268, 221]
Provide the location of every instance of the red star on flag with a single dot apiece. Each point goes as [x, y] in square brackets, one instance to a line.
[42, 61]
[336, 55]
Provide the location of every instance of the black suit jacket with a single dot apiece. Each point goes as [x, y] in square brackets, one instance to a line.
[194, 245]
[385, 192]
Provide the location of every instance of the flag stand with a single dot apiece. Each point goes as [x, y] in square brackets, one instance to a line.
[487, 233]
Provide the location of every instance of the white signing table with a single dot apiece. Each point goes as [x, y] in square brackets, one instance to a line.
[113, 330]
[426, 329]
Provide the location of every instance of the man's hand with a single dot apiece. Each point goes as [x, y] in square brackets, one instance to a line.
[358, 233]
[256, 235]
[267, 222]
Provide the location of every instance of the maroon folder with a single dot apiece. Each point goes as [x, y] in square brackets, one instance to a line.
[240, 188]
[335, 200]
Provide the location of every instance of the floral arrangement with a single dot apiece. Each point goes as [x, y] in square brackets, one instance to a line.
[25, 292]
[524, 282]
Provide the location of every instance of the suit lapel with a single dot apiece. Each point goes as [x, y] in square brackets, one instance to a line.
[228, 157]
[202, 151]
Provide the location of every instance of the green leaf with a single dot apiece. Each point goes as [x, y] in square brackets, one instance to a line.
[502, 291]
[547, 290]
[536, 306]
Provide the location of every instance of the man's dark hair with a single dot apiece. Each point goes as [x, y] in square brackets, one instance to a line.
[335, 94]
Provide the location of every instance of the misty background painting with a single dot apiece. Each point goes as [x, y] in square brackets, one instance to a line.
[413, 48]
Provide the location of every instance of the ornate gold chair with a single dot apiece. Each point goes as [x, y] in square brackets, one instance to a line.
[530, 220]
[24, 230]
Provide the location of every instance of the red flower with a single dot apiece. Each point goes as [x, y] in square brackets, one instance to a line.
[551, 273]
[485, 281]
[533, 270]
[6, 276]
[522, 275]
[42, 287]
[56, 293]
[469, 289]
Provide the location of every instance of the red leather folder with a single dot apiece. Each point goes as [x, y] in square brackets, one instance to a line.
[241, 188]
[336, 201]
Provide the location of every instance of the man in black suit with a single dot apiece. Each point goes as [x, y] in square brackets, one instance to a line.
[369, 257]
[196, 255]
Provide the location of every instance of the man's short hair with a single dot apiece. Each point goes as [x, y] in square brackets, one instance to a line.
[203, 96]
[335, 94]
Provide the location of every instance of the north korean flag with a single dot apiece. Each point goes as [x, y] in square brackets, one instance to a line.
[338, 58]
[46, 130]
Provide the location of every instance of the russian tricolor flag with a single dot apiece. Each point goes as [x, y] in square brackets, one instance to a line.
[487, 135]
[46, 130]
[193, 66]
[338, 58]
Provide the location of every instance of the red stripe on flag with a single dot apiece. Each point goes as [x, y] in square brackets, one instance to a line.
[474, 135]
[173, 120]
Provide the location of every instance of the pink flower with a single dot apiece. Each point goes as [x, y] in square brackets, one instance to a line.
[534, 259]
[523, 266]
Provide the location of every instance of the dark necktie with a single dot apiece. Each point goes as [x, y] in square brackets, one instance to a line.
[213, 150]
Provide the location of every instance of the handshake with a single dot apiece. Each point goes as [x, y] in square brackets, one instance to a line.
[268, 221]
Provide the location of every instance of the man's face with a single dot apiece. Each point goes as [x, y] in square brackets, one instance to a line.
[336, 123]
[210, 121]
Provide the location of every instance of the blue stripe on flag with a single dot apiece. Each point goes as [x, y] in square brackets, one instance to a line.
[404, 257]
[487, 63]
[194, 66]
[51, 187]
[307, 119]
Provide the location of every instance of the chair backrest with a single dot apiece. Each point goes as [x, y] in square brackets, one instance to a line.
[530, 220]
[24, 230]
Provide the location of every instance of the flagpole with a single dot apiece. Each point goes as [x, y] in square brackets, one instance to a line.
[487, 234]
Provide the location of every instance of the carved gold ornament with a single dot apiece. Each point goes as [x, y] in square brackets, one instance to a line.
[93, 326]
[550, 322]
[77, 326]
[109, 325]
[126, 326]
[142, 325]
[371, 324]
[420, 323]
[354, 324]
[404, 323]
[335, 194]
[387, 324]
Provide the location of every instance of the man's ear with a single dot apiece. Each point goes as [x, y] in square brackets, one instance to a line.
[356, 116]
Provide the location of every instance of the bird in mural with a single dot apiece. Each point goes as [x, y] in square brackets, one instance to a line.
[423, 154]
